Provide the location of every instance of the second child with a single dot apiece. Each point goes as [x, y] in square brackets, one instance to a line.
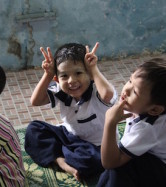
[139, 160]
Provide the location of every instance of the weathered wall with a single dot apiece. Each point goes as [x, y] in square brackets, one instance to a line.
[123, 27]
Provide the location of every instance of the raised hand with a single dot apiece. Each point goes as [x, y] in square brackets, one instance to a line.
[116, 113]
[90, 57]
[48, 62]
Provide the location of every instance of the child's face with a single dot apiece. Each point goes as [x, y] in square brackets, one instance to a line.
[137, 94]
[73, 78]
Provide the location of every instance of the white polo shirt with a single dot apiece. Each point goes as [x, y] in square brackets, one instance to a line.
[145, 134]
[84, 118]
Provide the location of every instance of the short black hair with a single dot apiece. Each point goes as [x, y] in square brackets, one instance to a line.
[2, 79]
[70, 51]
[154, 72]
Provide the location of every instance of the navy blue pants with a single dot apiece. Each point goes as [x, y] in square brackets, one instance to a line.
[45, 142]
[144, 171]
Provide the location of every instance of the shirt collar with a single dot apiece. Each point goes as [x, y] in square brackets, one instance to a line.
[67, 99]
[149, 119]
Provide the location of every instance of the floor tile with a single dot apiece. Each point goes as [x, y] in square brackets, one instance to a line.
[15, 100]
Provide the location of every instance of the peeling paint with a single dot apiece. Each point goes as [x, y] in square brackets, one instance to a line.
[122, 27]
[30, 46]
[14, 47]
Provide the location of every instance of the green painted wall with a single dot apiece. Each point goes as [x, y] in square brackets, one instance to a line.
[123, 28]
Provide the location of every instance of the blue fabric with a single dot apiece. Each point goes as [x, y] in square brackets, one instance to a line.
[145, 171]
[45, 142]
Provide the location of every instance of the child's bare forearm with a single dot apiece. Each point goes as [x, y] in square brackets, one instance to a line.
[39, 95]
[111, 155]
[104, 88]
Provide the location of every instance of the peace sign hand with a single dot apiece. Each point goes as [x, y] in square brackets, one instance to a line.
[90, 57]
[48, 62]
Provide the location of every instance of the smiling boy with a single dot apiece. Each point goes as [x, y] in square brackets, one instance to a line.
[84, 95]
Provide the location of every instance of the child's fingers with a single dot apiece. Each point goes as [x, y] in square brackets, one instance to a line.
[44, 64]
[122, 103]
[87, 49]
[121, 106]
[95, 48]
[44, 53]
[50, 54]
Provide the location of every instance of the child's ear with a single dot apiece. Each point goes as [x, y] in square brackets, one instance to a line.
[56, 79]
[156, 110]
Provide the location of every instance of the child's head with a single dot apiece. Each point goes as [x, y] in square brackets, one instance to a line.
[2, 79]
[69, 52]
[145, 92]
[70, 69]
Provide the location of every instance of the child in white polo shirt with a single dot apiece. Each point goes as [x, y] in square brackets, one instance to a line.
[139, 160]
[84, 96]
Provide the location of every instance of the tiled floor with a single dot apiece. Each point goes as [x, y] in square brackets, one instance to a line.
[15, 100]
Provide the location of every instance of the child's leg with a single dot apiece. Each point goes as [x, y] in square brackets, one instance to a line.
[63, 165]
[45, 143]
[83, 156]
[144, 171]
[42, 142]
[119, 177]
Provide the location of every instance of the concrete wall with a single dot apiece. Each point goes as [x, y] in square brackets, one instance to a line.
[123, 28]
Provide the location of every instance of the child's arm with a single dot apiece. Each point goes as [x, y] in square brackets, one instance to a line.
[111, 155]
[39, 95]
[104, 88]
